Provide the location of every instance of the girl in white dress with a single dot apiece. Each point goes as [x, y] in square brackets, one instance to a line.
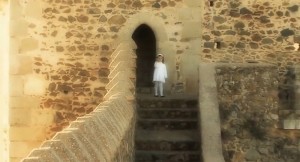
[159, 75]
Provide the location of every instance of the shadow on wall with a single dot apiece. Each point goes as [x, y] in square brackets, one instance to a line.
[145, 40]
[286, 90]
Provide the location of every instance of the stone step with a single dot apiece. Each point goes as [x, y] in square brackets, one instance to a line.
[167, 156]
[159, 102]
[144, 90]
[167, 135]
[167, 129]
[167, 113]
[167, 145]
[167, 124]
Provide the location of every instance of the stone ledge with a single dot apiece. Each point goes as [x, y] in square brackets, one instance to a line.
[291, 124]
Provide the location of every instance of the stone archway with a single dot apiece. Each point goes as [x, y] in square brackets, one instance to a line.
[158, 27]
[145, 41]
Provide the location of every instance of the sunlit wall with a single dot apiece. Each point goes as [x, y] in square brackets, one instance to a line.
[4, 110]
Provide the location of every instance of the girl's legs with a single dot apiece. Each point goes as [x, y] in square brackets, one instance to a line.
[161, 88]
[156, 87]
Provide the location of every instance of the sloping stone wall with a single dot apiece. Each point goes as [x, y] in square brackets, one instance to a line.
[248, 105]
[105, 134]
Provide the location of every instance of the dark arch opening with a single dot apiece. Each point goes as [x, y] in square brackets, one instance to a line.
[145, 40]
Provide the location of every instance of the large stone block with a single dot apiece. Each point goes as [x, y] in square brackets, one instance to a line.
[195, 47]
[18, 27]
[189, 70]
[31, 117]
[20, 64]
[26, 133]
[33, 9]
[25, 102]
[15, 10]
[41, 117]
[21, 149]
[189, 14]
[117, 20]
[19, 117]
[290, 124]
[16, 86]
[28, 44]
[34, 85]
[193, 3]
[14, 65]
[14, 44]
[191, 29]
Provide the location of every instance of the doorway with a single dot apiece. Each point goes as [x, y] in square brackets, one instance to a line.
[145, 41]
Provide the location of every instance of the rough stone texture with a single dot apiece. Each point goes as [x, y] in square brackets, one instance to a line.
[4, 88]
[166, 129]
[65, 43]
[107, 133]
[209, 115]
[256, 19]
[249, 115]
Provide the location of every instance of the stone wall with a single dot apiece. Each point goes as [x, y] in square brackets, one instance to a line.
[4, 50]
[249, 105]
[289, 99]
[105, 134]
[252, 31]
[60, 50]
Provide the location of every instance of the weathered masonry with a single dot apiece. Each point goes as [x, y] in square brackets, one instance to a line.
[64, 63]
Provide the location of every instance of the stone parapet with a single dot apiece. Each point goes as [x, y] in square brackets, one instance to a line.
[97, 136]
[209, 115]
[107, 133]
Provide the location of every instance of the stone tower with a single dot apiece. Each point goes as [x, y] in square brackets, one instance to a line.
[59, 51]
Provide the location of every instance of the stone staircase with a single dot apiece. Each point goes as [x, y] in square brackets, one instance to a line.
[289, 112]
[167, 129]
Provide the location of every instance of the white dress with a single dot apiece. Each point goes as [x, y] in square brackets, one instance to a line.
[160, 72]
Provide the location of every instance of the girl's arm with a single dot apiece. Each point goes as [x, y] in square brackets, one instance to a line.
[165, 71]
